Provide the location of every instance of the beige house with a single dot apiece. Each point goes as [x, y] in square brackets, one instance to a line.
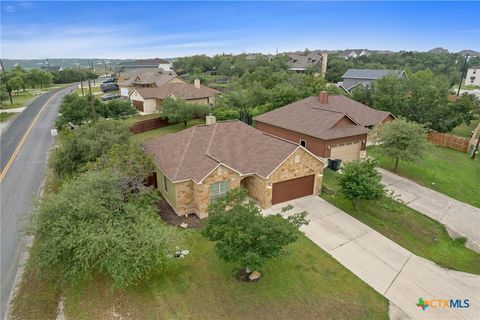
[473, 77]
[145, 78]
[148, 99]
[200, 164]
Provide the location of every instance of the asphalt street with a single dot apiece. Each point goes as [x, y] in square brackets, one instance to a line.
[22, 180]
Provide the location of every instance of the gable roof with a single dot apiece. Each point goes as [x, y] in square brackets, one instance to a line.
[371, 74]
[194, 153]
[309, 116]
[303, 61]
[184, 91]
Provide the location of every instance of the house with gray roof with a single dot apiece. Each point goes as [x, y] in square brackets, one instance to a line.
[300, 62]
[365, 77]
[353, 53]
[145, 63]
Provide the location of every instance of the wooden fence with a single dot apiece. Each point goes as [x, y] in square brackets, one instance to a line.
[150, 124]
[448, 140]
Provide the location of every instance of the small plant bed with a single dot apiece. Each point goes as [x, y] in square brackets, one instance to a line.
[167, 214]
[465, 130]
[444, 170]
[305, 284]
[410, 229]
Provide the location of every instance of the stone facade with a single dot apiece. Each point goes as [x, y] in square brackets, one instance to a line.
[195, 198]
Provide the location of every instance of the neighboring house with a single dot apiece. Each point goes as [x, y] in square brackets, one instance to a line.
[365, 77]
[300, 62]
[147, 99]
[200, 164]
[329, 126]
[473, 77]
[353, 53]
[145, 78]
[145, 63]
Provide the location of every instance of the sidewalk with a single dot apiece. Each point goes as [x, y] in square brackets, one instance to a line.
[460, 219]
[390, 269]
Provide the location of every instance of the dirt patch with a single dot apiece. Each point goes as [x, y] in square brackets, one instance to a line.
[169, 216]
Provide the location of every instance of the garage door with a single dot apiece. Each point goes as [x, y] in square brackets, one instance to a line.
[138, 104]
[292, 189]
[346, 151]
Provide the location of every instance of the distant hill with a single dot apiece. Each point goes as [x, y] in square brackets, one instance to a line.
[471, 53]
[63, 63]
[438, 50]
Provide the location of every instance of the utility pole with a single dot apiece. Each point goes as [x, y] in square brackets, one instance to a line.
[4, 77]
[464, 69]
[90, 100]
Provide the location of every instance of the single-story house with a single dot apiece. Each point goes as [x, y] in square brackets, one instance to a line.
[148, 99]
[329, 126]
[145, 78]
[354, 77]
[197, 165]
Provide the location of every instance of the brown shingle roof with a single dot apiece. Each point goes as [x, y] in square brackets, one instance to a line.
[180, 90]
[146, 76]
[193, 153]
[311, 117]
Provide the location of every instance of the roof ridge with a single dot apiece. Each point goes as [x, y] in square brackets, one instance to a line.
[334, 111]
[185, 152]
[210, 141]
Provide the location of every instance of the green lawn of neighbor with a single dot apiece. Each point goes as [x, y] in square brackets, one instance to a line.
[4, 116]
[305, 284]
[445, 170]
[412, 230]
[465, 130]
[166, 130]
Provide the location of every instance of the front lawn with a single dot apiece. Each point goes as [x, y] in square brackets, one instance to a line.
[306, 284]
[410, 229]
[445, 170]
[174, 128]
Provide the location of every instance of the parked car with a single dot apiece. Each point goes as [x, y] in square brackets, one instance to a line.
[110, 96]
[110, 86]
[109, 80]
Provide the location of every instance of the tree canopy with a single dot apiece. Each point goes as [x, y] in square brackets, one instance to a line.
[361, 180]
[402, 140]
[181, 111]
[246, 237]
[90, 228]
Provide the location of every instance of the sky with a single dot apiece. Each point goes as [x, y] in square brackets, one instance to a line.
[122, 29]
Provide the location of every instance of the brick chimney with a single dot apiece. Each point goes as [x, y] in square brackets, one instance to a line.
[196, 83]
[323, 97]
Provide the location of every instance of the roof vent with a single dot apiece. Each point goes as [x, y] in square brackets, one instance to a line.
[324, 97]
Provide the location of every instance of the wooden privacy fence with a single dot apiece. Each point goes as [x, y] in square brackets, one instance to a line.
[150, 124]
[448, 140]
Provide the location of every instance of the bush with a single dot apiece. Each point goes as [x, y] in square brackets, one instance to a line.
[226, 114]
[115, 109]
[89, 228]
[86, 144]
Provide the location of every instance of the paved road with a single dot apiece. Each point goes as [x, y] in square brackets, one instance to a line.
[460, 219]
[390, 269]
[23, 179]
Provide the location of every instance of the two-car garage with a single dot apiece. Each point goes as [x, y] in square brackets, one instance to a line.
[346, 151]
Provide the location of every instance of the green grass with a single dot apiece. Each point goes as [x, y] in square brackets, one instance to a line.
[97, 91]
[166, 130]
[4, 116]
[305, 284]
[445, 170]
[465, 130]
[19, 100]
[412, 230]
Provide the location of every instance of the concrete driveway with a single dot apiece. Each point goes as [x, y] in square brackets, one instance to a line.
[390, 269]
[460, 219]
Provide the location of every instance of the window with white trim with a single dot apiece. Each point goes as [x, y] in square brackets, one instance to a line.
[218, 189]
